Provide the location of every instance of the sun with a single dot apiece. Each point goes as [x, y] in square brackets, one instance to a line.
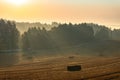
[17, 2]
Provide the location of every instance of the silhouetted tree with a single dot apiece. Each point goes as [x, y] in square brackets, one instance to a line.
[9, 35]
[103, 34]
[116, 34]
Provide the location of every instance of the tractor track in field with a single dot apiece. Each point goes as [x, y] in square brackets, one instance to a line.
[92, 70]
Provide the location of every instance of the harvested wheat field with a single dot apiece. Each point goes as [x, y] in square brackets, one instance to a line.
[55, 68]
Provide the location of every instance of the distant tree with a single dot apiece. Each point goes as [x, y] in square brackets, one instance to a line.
[9, 35]
[116, 34]
[103, 34]
[86, 31]
[25, 41]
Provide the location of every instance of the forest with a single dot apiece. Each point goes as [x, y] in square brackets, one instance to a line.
[81, 37]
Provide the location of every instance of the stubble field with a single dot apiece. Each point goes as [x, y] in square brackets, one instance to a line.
[55, 68]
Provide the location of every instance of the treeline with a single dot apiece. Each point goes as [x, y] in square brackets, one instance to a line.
[24, 26]
[9, 35]
[65, 35]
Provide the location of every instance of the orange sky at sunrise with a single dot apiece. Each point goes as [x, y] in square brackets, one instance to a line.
[75, 11]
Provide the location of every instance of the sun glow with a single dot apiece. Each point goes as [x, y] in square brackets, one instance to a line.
[17, 2]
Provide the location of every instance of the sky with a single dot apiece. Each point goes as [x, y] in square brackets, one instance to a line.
[105, 12]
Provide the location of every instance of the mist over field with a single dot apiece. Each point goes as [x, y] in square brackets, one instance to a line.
[22, 41]
[31, 48]
[59, 39]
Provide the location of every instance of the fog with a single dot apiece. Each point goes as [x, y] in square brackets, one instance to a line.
[12, 59]
[8, 59]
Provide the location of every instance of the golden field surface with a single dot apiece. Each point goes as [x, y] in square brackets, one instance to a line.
[55, 68]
